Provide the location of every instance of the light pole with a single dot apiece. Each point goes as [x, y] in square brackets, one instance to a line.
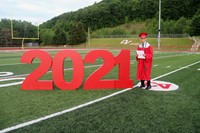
[159, 24]
[88, 35]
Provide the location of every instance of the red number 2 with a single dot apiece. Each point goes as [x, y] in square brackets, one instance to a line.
[31, 82]
[93, 81]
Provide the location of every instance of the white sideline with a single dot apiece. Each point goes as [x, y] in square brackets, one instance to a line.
[84, 105]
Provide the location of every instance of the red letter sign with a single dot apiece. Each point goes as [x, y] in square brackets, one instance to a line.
[58, 70]
[123, 60]
[94, 81]
[31, 82]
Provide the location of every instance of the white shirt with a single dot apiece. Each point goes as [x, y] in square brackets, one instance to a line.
[146, 45]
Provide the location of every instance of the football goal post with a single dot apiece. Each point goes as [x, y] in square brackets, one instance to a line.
[23, 38]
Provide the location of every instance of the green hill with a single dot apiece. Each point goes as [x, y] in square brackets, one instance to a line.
[120, 17]
[111, 13]
[113, 17]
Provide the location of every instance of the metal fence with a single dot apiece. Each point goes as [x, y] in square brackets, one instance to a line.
[136, 36]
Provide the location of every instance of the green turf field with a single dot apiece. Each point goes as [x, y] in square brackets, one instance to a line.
[135, 110]
[166, 43]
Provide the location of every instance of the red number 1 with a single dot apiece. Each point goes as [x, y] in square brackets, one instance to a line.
[123, 62]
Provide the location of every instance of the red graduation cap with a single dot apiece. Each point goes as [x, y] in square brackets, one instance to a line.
[143, 34]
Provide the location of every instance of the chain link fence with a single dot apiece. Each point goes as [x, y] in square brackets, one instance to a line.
[136, 36]
[180, 42]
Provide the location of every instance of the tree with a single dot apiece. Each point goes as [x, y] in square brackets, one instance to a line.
[20, 29]
[46, 36]
[195, 25]
[60, 36]
[76, 34]
[118, 31]
[180, 25]
[5, 38]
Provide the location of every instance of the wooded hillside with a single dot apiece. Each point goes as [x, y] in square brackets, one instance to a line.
[178, 17]
[109, 13]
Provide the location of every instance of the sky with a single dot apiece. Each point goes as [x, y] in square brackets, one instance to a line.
[39, 11]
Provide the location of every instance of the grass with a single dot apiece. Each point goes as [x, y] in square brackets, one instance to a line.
[166, 43]
[133, 111]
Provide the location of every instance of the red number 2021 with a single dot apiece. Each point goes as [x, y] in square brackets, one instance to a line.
[94, 81]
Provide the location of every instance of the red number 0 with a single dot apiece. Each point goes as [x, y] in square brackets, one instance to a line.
[58, 70]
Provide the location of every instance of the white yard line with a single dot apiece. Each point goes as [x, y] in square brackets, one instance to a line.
[10, 59]
[3, 74]
[131, 54]
[12, 64]
[176, 70]
[86, 66]
[85, 104]
[22, 75]
[13, 83]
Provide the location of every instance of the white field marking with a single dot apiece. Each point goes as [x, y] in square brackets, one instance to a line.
[168, 66]
[156, 86]
[131, 54]
[83, 105]
[3, 74]
[91, 66]
[47, 49]
[22, 75]
[176, 70]
[10, 59]
[198, 69]
[155, 65]
[11, 84]
[14, 64]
